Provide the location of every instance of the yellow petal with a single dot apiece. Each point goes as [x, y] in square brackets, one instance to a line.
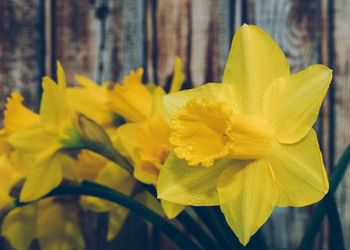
[33, 139]
[116, 178]
[153, 147]
[292, 103]
[54, 110]
[90, 100]
[127, 137]
[190, 185]
[300, 174]
[58, 226]
[88, 165]
[9, 177]
[247, 195]
[19, 226]
[179, 76]
[132, 100]
[150, 201]
[171, 209]
[157, 106]
[16, 116]
[43, 176]
[61, 78]
[116, 220]
[255, 60]
[216, 92]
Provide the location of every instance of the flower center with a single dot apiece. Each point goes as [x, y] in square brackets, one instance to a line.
[205, 131]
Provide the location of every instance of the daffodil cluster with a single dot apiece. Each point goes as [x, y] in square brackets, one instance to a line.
[245, 144]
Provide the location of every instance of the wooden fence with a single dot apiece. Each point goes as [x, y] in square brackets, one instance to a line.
[105, 39]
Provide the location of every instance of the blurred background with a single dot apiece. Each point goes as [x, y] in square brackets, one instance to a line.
[105, 39]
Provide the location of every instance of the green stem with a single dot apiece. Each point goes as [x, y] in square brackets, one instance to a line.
[111, 154]
[207, 215]
[200, 235]
[114, 196]
[320, 211]
[335, 229]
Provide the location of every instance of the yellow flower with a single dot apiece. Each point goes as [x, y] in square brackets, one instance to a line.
[45, 140]
[247, 144]
[90, 99]
[147, 142]
[132, 99]
[54, 223]
[92, 167]
[16, 117]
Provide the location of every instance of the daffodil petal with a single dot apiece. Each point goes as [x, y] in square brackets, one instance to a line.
[17, 116]
[247, 195]
[117, 178]
[171, 209]
[9, 177]
[53, 109]
[216, 92]
[61, 78]
[255, 60]
[19, 226]
[43, 176]
[190, 185]
[292, 103]
[157, 105]
[58, 226]
[89, 104]
[33, 139]
[150, 201]
[132, 100]
[301, 178]
[179, 76]
[127, 136]
[116, 220]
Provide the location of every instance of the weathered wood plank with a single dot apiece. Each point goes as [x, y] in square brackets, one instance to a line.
[129, 47]
[294, 27]
[74, 38]
[21, 50]
[341, 104]
[198, 32]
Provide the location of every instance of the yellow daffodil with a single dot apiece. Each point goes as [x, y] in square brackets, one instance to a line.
[247, 144]
[147, 142]
[132, 99]
[16, 117]
[92, 167]
[53, 222]
[44, 140]
[90, 99]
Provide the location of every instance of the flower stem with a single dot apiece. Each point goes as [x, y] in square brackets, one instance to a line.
[207, 215]
[114, 196]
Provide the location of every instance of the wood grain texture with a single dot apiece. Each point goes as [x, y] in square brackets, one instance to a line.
[21, 50]
[74, 37]
[294, 27]
[105, 39]
[341, 104]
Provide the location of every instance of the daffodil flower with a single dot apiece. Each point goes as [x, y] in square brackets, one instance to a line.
[247, 144]
[93, 167]
[56, 130]
[147, 142]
